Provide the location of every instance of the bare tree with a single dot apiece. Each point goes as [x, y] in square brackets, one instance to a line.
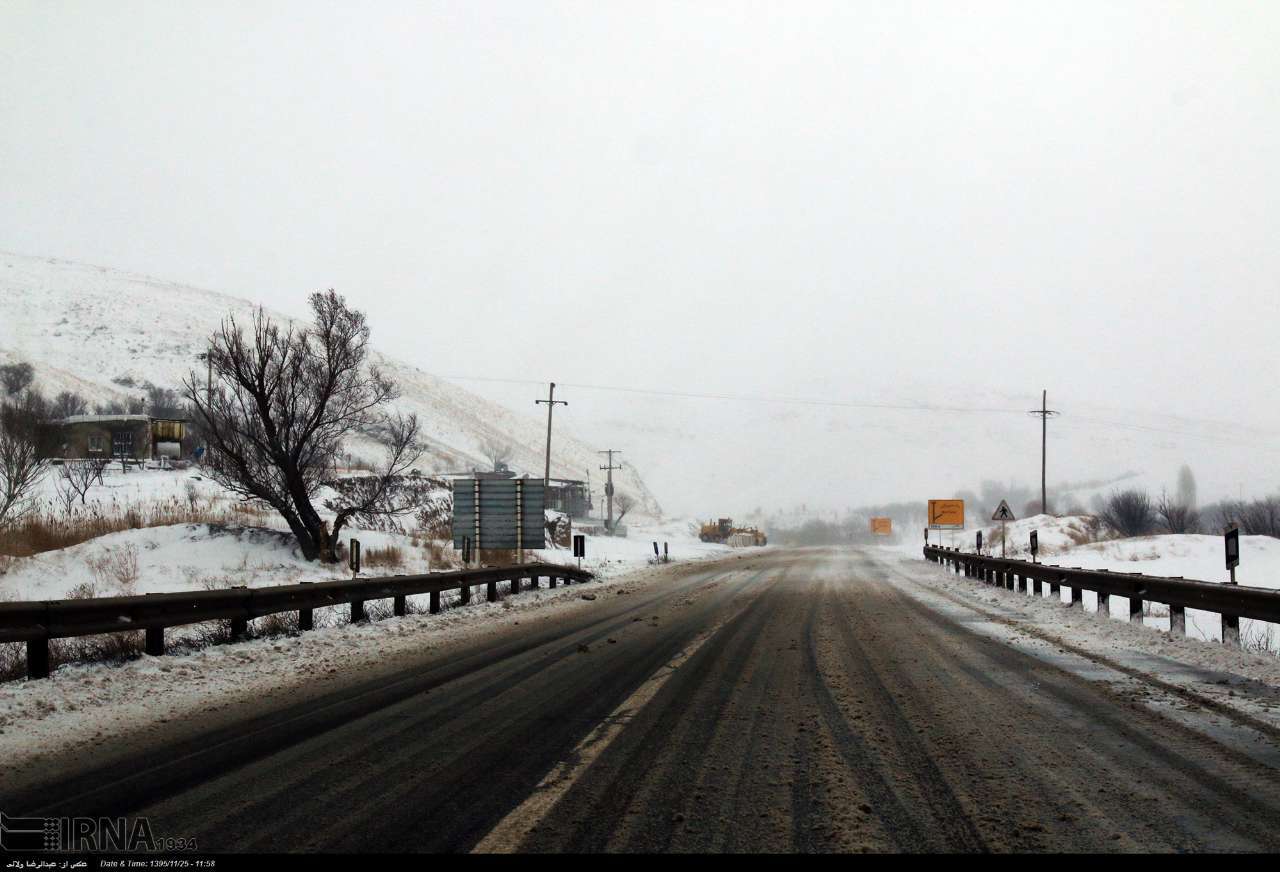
[22, 464]
[163, 402]
[284, 399]
[131, 406]
[1176, 516]
[16, 378]
[625, 503]
[67, 404]
[498, 451]
[77, 477]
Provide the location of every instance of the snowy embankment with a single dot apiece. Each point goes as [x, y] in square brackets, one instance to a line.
[252, 547]
[1067, 541]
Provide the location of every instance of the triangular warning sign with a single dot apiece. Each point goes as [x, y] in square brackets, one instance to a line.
[1004, 513]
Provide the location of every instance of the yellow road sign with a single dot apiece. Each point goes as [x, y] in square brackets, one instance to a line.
[946, 514]
[882, 526]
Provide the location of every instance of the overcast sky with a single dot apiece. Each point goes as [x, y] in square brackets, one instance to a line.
[850, 200]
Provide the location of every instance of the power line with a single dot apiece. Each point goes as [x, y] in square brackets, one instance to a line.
[904, 407]
[802, 401]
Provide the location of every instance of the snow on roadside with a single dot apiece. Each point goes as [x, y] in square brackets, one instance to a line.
[204, 556]
[1065, 541]
[178, 557]
[608, 555]
[1086, 629]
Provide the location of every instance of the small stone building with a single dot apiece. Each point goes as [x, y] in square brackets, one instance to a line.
[135, 437]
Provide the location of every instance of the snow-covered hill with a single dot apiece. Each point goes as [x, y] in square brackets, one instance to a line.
[97, 331]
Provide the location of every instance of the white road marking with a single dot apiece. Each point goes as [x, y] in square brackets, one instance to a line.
[511, 830]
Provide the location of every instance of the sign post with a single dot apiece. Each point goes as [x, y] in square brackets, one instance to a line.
[1035, 545]
[579, 548]
[353, 556]
[979, 541]
[1003, 513]
[1231, 623]
[1231, 539]
[945, 515]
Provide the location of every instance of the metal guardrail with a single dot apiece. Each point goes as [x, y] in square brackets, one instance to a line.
[1232, 601]
[37, 622]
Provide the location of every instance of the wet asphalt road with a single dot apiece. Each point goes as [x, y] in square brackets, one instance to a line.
[797, 702]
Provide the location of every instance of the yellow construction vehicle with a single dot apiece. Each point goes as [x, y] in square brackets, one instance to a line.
[723, 531]
[716, 531]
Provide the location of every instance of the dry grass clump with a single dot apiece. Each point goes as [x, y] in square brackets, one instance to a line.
[49, 528]
[387, 556]
[1085, 531]
[119, 565]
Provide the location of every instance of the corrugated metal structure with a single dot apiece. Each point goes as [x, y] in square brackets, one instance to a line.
[499, 513]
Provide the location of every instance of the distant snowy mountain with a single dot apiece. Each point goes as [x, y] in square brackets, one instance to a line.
[103, 332]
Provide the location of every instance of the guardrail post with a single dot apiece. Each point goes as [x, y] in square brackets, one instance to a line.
[239, 629]
[155, 641]
[551, 581]
[466, 594]
[1022, 582]
[493, 591]
[1077, 597]
[399, 606]
[37, 658]
[1104, 605]
[435, 602]
[1008, 579]
[306, 619]
[1135, 610]
[1055, 590]
[357, 611]
[1037, 587]
[1177, 621]
[1231, 630]
[515, 584]
[533, 581]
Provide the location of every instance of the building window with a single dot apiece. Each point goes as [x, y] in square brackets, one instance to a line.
[122, 444]
[97, 444]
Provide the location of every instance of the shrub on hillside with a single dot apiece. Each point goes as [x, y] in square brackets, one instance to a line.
[1129, 513]
[1253, 517]
[1177, 517]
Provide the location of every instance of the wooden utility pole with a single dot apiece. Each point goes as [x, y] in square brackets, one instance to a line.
[551, 402]
[608, 485]
[1044, 412]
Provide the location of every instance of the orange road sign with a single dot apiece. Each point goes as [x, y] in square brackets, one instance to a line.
[946, 514]
[882, 526]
